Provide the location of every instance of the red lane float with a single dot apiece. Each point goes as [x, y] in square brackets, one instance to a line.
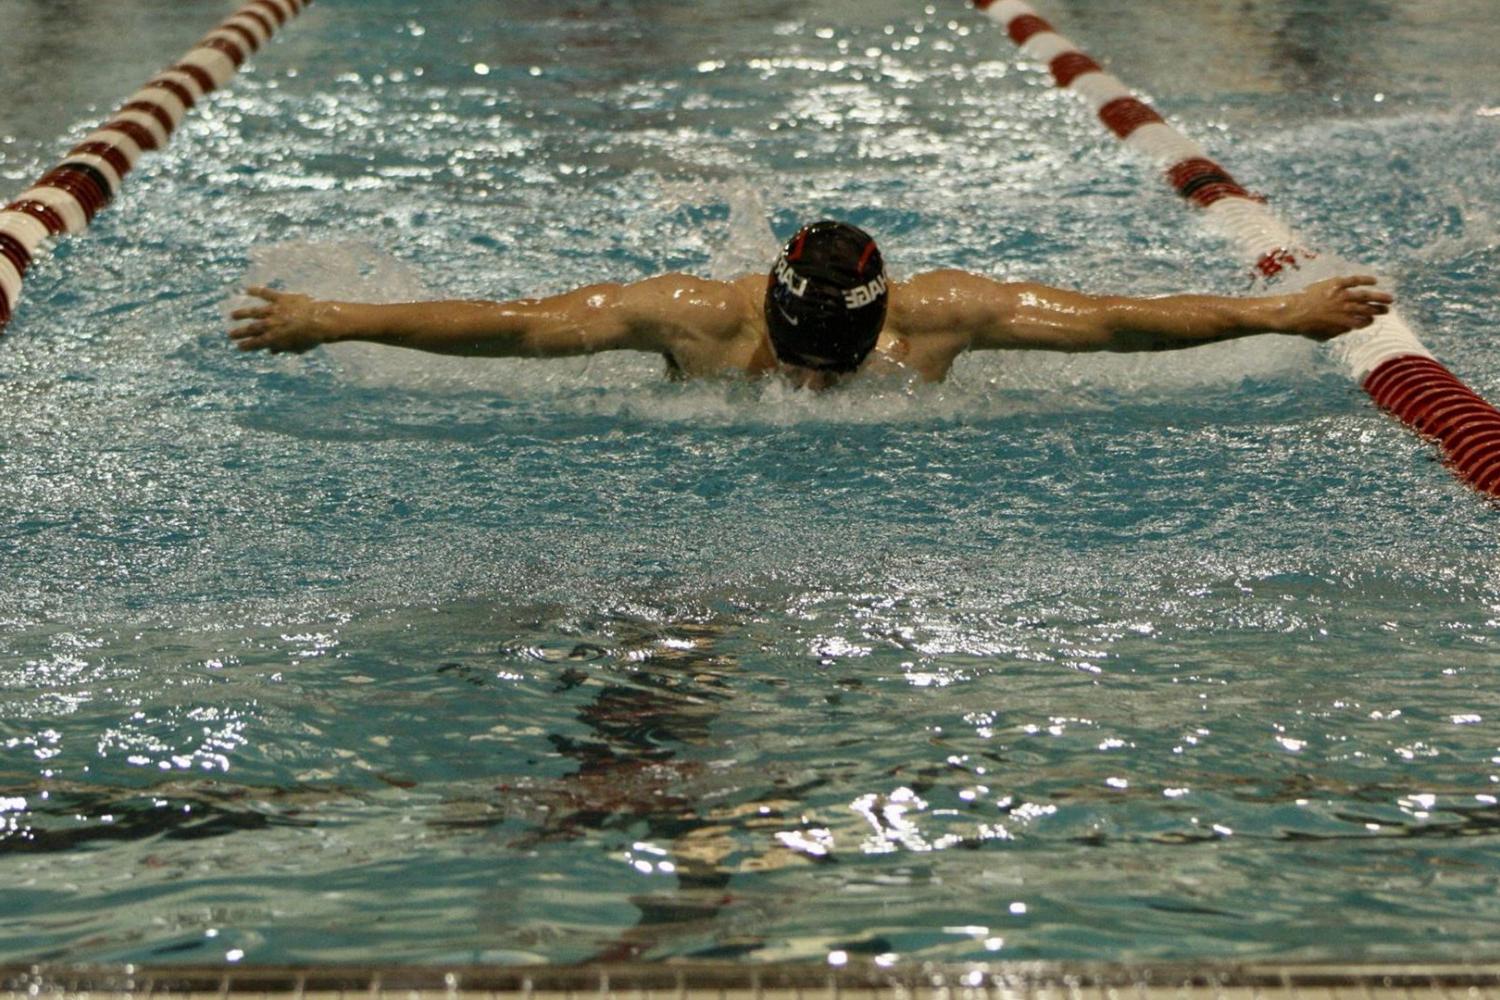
[1387, 358]
[66, 198]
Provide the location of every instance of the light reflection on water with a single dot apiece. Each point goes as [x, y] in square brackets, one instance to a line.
[365, 654]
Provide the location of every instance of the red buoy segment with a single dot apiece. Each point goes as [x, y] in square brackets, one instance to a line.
[259, 19]
[176, 89]
[252, 45]
[273, 9]
[199, 75]
[1204, 182]
[1022, 28]
[44, 214]
[106, 152]
[155, 111]
[1124, 115]
[1070, 66]
[234, 52]
[85, 188]
[15, 251]
[1431, 400]
[135, 131]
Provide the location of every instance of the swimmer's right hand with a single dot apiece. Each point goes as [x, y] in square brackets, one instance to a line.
[287, 322]
[1335, 306]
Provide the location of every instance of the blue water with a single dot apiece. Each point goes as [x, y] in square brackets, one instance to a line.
[365, 655]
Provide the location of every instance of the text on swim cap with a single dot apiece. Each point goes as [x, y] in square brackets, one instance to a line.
[856, 298]
[794, 282]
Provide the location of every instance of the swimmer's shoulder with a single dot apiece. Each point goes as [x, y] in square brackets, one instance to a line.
[739, 303]
[673, 308]
[949, 283]
[707, 327]
[701, 301]
[950, 301]
[935, 316]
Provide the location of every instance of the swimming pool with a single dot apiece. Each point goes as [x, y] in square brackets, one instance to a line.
[369, 655]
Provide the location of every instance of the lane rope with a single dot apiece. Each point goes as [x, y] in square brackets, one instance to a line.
[1386, 358]
[66, 198]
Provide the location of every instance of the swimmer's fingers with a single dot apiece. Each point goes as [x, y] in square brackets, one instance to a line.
[269, 344]
[1363, 304]
[251, 336]
[248, 330]
[1335, 306]
[1355, 317]
[274, 334]
[263, 337]
[285, 323]
[1359, 288]
[1370, 297]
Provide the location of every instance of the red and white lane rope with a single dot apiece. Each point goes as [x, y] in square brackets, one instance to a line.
[1386, 358]
[66, 198]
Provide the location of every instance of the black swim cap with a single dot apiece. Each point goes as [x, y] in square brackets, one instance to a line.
[826, 298]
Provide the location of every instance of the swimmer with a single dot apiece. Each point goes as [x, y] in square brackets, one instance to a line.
[825, 312]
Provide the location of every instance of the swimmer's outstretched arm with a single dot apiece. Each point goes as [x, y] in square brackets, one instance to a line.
[993, 315]
[651, 315]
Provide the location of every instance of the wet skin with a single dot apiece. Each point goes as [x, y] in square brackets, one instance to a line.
[712, 328]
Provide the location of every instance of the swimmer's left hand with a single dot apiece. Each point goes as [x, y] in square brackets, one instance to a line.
[287, 322]
[1336, 306]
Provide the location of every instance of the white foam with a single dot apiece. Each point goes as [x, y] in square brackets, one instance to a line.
[750, 245]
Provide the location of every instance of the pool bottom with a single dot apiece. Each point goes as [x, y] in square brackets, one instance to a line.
[725, 981]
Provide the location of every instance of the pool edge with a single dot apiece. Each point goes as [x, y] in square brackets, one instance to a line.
[1325, 981]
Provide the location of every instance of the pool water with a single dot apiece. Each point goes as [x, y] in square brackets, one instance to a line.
[366, 655]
